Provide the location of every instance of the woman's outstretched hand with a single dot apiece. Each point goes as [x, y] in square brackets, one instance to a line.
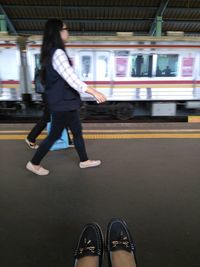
[100, 98]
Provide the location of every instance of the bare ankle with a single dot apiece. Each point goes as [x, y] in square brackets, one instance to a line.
[123, 258]
[88, 261]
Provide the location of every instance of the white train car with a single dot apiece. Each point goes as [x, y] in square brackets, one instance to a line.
[9, 70]
[158, 74]
[162, 71]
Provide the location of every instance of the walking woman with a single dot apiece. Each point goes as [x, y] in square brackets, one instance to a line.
[62, 91]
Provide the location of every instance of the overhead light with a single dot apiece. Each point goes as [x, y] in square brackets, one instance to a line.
[124, 33]
[175, 33]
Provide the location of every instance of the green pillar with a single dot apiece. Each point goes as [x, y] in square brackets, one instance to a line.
[3, 27]
[159, 26]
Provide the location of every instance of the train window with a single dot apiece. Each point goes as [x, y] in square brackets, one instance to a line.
[8, 64]
[141, 66]
[121, 63]
[102, 70]
[37, 61]
[86, 64]
[167, 66]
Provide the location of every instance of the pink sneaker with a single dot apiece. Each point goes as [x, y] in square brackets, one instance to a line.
[40, 171]
[89, 164]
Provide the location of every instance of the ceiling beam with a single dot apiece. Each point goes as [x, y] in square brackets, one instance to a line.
[9, 23]
[105, 20]
[77, 7]
[181, 9]
[100, 20]
[160, 12]
[182, 21]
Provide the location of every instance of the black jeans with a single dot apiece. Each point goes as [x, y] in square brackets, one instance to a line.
[41, 124]
[60, 120]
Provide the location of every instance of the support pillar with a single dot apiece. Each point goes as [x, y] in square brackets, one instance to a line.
[159, 26]
[3, 27]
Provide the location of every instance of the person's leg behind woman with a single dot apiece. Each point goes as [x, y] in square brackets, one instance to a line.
[39, 127]
[58, 124]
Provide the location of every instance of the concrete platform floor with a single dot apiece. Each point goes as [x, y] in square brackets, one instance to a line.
[152, 183]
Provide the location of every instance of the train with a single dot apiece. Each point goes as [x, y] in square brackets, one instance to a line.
[140, 75]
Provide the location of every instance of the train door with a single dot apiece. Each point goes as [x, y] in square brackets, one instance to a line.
[121, 64]
[102, 75]
[196, 91]
[9, 72]
[189, 74]
[132, 74]
[141, 71]
[86, 66]
[94, 69]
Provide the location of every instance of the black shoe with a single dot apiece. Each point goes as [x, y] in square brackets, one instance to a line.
[119, 238]
[90, 243]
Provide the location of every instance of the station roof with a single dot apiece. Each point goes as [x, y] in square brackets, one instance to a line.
[103, 17]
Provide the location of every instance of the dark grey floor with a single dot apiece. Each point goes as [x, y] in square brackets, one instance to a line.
[154, 184]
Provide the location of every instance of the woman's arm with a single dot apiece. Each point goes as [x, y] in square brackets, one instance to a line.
[61, 64]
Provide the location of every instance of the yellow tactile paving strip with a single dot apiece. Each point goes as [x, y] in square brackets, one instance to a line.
[114, 131]
[115, 134]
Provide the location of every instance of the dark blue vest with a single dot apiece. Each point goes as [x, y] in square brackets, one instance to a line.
[59, 94]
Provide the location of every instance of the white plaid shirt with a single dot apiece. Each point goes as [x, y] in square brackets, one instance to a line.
[61, 64]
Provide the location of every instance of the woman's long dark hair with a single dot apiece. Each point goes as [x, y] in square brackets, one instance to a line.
[51, 40]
